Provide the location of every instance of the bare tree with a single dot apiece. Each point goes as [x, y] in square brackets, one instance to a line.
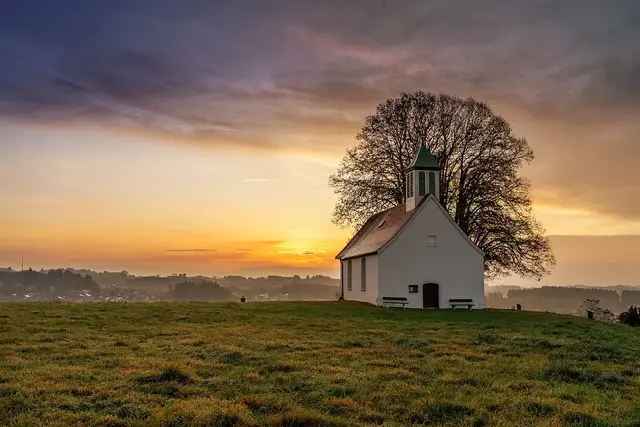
[480, 187]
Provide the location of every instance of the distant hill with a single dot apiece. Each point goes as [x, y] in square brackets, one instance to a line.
[36, 285]
[114, 284]
[562, 299]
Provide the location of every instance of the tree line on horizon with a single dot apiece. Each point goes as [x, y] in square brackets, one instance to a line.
[180, 287]
[59, 282]
[563, 299]
[199, 291]
[69, 283]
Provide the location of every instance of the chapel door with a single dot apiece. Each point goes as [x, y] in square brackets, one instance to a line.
[430, 295]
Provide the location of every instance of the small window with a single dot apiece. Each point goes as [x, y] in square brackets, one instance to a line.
[411, 179]
[409, 184]
[432, 182]
[422, 184]
[349, 276]
[431, 241]
[363, 282]
[413, 289]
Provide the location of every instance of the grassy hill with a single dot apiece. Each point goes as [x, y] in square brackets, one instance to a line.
[303, 364]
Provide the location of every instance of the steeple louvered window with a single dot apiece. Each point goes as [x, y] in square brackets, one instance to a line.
[432, 182]
[409, 185]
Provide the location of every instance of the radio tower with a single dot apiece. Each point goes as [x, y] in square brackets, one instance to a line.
[22, 264]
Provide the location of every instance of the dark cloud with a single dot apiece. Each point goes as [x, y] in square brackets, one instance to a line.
[124, 59]
[614, 82]
[333, 91]
[293, 74]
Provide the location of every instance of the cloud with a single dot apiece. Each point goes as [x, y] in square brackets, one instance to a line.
[251, 180]
[329, 44]
[300, 76]
[613, 82]
[314, 252]
[591, 260]
[191, 250]
[167, 67]
[253, 257]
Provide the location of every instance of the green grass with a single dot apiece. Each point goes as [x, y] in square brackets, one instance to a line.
[311, 364]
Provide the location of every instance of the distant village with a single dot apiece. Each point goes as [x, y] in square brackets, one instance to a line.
[91, 286]
[88, 285]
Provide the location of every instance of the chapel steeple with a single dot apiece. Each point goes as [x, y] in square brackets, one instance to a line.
[423, 178]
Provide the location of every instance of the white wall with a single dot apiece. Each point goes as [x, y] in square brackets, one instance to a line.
[356, 294]
[454, 264]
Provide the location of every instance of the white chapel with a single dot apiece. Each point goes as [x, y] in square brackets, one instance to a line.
[414, 255]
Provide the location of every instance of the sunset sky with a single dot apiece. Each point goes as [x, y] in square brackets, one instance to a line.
[195, 136]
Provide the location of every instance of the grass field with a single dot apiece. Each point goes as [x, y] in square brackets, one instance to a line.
[306, 364]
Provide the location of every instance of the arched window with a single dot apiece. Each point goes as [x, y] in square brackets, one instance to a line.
[412, 188]
[409, 184]
[432, 182]
[422, 183]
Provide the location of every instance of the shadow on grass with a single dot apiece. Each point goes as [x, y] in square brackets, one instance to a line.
[169, 382]
[13, 401]
[573, 373]
[440, 413]
[168, 374]
[583, 420]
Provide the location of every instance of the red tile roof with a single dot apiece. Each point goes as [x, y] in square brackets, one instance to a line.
[377, 231]
[382, 227]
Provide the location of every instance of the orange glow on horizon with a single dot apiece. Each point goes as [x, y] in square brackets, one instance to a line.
[144, 207]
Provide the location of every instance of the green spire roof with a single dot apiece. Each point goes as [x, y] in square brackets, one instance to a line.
[424, 159]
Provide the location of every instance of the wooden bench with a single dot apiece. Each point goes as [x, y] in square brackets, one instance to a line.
[394, 300]
[462, 302]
